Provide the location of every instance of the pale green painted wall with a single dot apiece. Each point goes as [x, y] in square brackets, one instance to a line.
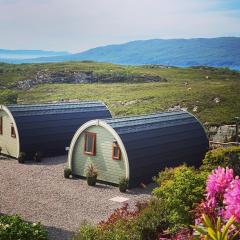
[109, 170]
[7, 143]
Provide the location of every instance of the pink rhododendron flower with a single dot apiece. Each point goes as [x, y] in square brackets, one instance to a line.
[217, 183]
[232, 200]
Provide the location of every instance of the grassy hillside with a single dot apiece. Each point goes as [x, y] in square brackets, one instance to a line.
[203, 86]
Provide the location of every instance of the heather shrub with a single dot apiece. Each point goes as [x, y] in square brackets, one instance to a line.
[223, 157]
[180, 189]
[14, 228]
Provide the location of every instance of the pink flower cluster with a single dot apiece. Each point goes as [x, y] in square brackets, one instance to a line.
[217, 183]
[232, 200]
[223, 193]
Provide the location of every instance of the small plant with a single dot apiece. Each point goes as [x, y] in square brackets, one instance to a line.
[14, 228]
[22, 157]
[218, 231]
[123, 184]
[38, 156]
[91, 174]
[223, 157]
[67, 172]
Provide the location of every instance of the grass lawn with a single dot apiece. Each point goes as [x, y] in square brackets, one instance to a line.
[204, 84]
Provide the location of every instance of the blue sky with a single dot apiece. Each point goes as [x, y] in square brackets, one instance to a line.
[77, 25]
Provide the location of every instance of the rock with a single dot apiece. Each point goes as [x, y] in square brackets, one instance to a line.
[225, 133]
[131, 102]
[176, 108]
[195, 109]
[77, 77]
[216, 100]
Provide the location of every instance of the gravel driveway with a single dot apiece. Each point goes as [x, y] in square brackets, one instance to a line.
[39, 192]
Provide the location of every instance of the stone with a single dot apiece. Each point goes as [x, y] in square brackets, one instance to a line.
[77, 77]
[216, 100]
[119, 199]
[225, 133]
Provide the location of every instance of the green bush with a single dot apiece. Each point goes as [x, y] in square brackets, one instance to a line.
[119, 232]
[87, 232]
[67, 172]
[22, 157]
[8, 97]
[179, 189]
[14, 228]
[152, 220]
[123, 184]
[224, 157]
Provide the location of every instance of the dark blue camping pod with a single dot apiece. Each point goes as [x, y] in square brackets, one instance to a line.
[45, 128]
[138, 147]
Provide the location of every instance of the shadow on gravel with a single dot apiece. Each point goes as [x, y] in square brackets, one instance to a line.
[58, 233]
[49, 161]
[138, 191]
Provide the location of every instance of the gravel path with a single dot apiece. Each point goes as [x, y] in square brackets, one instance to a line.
[39, 192]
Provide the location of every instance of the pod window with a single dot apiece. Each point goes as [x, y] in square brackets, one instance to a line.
[13, 133]
[90, 143]
[1, 125]
[116, 152]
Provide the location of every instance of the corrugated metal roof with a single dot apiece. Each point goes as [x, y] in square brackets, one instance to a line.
[160, 140]
[49, 128]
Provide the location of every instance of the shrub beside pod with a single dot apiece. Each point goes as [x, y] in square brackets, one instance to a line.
[123, 184]
[22, 157]
[67, 172]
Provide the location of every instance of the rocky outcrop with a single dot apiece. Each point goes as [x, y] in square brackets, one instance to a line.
[77, 77]
[225, 133]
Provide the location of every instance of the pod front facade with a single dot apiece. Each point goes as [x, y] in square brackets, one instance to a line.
[137, 147]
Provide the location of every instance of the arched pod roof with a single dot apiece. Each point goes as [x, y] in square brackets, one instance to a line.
[156, 141]
[48, 128]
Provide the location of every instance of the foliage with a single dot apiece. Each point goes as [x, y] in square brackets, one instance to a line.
[67, 172]
[88, 232]
[8, 97]
[22, 157]
[91, 171]
[137, 98]
[14, 228]
[122, 214]
[123, 184]
[180, 189]
[218, 231]
[224, 157]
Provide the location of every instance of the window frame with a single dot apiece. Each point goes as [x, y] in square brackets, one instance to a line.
[119, 155]
[94, 135]
[1, 125]
[13, 132]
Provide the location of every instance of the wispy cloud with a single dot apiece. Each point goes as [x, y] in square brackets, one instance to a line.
[76, 25]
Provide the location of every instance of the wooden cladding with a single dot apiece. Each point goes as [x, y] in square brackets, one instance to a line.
[13, 133]
[90, 143]
[1, 125]
[116, 152]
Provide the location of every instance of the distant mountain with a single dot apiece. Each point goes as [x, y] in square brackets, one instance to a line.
[20, 55]
[217, 52]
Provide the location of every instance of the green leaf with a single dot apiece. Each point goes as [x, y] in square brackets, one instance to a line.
[212, 233]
